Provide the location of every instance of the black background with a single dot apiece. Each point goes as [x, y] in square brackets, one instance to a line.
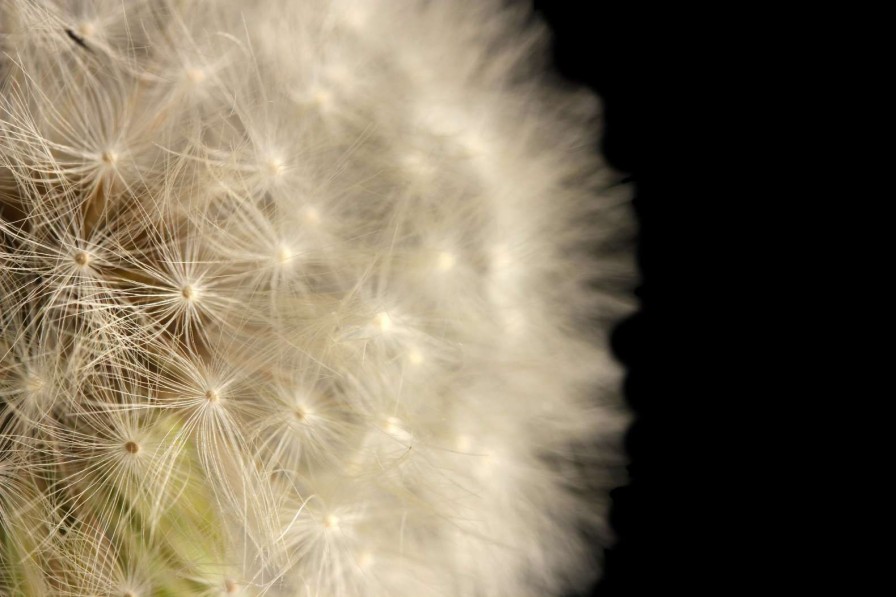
[619, 50]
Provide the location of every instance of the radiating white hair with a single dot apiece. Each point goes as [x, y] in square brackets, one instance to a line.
[303, 298]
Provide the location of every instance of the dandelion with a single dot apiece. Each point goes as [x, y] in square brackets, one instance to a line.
[300, 299]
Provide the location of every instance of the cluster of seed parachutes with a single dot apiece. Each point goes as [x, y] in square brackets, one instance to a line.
[293, 302]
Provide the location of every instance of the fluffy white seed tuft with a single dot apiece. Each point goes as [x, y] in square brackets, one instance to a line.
[299, 299]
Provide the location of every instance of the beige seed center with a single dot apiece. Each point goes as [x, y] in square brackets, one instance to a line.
[81, 258]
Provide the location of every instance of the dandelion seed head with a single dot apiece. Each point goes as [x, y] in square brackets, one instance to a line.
[85, 29]
[189, 292]
[331, 522]
[82, 259]
[109, 158]
[383, 322]
[195, 75]
[33, 384]
[284, 254]
[298, 298]
[274, 166]
[395, 428]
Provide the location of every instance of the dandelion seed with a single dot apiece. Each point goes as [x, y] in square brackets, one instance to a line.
[275, 167]
[85, 30]
[110, 158]
[195, 75]
[393, 426]
[383, 322]
[33, 384]
[82, 259]
[284, 254]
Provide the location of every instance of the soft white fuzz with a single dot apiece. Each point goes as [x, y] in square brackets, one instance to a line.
[302, 298]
